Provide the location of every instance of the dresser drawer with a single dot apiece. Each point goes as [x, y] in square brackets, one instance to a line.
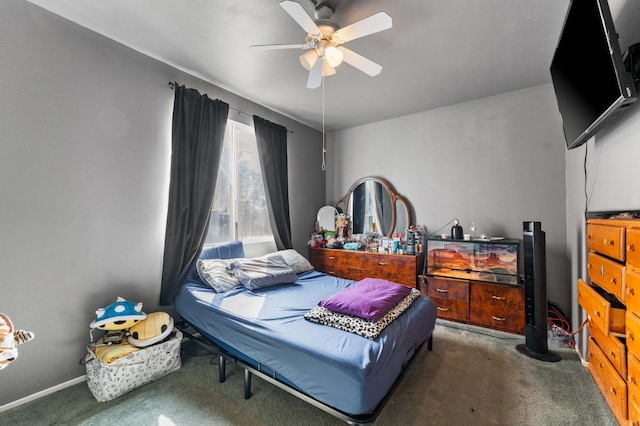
[502, 296]
[449, 289]
[595, 301]
[633, 379]
[396, 268]
[633, 247]
[611, 384]
[632, 284]
[608, 274]
[613, 348]
[608, 240]
[455, 310]
[634, 413]
[497, 317]
[633, 333]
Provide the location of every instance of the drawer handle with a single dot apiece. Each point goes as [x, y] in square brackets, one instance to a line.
[631, 379]
[498, 297]
[631, 291]
[499, 319]
[613, 281]
[331, 258]
[612, 354]
[597, 313]
[631, 337]
[631, 247]
[602, 271]
[610, 242]
[442, 290]
[382, 263]
[442, 309]
[613, 390]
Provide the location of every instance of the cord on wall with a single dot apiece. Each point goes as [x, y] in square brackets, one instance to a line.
[324, 141]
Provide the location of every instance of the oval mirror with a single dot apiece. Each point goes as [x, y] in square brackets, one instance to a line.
[402, 217]
[326, 218]
[374, 206]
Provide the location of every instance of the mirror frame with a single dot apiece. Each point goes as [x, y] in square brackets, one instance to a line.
[321, 214]
[396, 198]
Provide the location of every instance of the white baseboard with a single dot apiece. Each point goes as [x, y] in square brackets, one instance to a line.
[42, 393]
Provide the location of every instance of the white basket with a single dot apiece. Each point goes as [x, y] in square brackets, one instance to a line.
[108, 381]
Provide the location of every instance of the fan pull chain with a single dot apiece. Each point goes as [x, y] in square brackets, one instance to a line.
[324, 146]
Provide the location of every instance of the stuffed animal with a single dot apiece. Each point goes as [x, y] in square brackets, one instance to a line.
[317, 240]
[153, 329]
[10, 339]
[342, 227]
[116, 318]
[331, 240]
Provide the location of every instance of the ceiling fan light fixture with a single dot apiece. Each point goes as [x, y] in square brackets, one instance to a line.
[308, 58]
[327, 69]
[333, 56]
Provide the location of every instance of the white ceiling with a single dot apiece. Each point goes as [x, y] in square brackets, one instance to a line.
[438, 53]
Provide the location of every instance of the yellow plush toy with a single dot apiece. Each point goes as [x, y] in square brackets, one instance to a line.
[10, 339]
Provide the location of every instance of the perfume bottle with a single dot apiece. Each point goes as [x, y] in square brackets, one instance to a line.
[456, 231]
[474, 231]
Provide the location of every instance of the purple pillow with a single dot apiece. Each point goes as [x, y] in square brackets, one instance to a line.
[369, 298]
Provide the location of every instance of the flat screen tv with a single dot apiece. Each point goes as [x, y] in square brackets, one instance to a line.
[588, 73]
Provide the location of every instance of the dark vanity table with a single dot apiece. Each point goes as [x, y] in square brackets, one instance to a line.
[374, 207]
[356, 265]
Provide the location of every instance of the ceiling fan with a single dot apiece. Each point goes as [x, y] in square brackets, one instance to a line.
[325, 39]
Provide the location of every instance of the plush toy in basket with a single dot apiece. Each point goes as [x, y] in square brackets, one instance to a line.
[137, 348]
[10, 339]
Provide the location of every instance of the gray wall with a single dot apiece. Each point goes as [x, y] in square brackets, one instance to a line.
[496, 161]
[84, 171]
[610, 182]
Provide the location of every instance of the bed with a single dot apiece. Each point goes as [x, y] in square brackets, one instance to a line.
[265, 331]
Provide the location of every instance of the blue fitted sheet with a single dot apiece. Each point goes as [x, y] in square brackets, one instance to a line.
[340, 369]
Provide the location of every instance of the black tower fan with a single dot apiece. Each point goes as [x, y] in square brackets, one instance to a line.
[535, 294]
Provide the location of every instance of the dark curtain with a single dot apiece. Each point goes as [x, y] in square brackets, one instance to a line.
[272, 150]
[359, 208]
[196, 145]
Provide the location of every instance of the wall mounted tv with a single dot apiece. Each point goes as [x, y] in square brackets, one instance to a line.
[588, 73]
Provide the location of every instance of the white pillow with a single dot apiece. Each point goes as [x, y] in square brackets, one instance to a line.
[293, 259]
[215, 272]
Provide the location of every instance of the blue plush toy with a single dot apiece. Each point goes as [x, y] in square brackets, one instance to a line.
[120, 315]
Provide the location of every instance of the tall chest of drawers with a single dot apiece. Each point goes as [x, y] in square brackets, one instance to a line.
[612, 302]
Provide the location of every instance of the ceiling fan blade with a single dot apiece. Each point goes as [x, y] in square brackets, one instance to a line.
[360, 62]
[315, 75]
[297, 12]
[279, 46]
[373, 24]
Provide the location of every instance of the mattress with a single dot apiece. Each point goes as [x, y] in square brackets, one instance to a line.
[266, 329]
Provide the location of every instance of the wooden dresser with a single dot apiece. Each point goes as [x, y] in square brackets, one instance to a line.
[611, 300]
[459, 282]
[356, 265]
[490, 305]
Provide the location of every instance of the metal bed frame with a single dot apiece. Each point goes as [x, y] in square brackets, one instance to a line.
[270, 377]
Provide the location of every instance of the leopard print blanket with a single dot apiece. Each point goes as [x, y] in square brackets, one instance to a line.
[357, 325]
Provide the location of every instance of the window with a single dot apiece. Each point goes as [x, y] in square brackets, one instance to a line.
[239, 209]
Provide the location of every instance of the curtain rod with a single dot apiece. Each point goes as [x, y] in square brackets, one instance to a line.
[172, 85]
